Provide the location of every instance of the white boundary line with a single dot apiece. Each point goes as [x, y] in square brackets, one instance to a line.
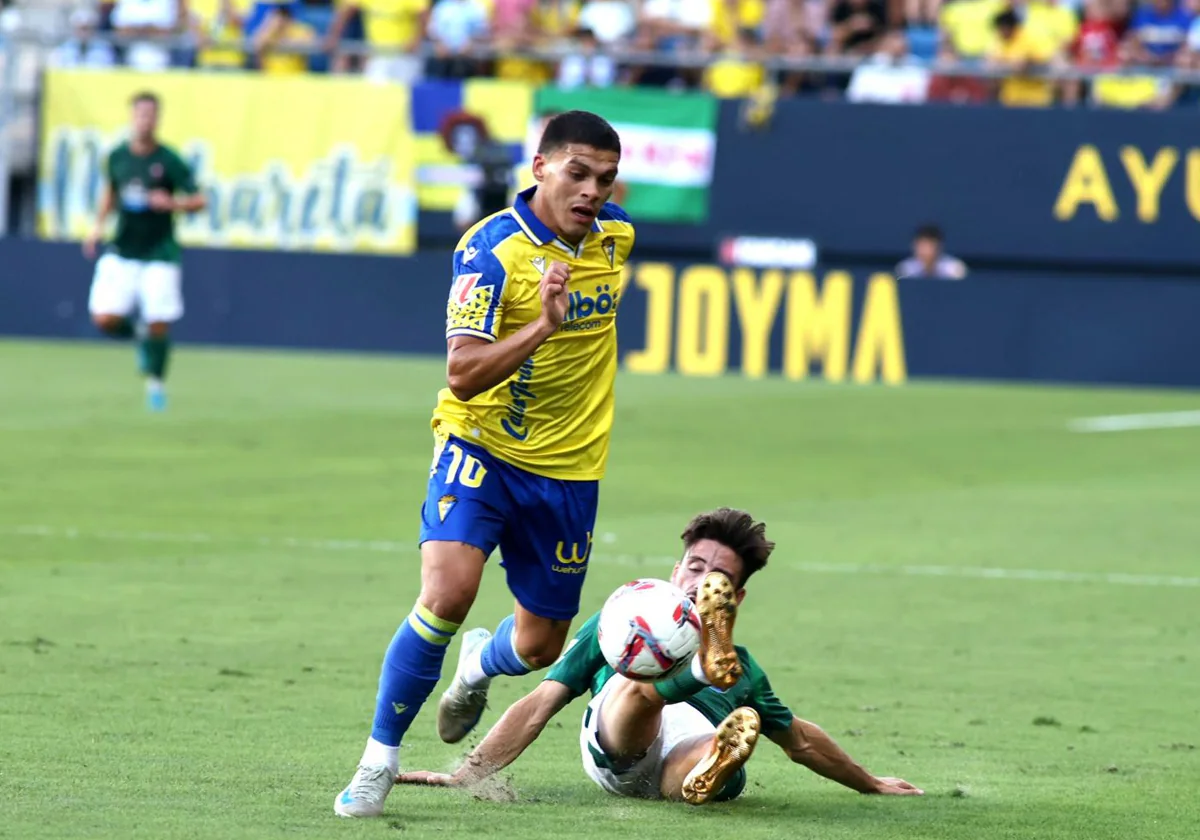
[1136, 422]
[393, 547]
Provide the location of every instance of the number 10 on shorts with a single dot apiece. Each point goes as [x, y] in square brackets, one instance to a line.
[464, 469]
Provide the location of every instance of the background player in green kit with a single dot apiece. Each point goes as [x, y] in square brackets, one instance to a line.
[680, 738]
[146, 183]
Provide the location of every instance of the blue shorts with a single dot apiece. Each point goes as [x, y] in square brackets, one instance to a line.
[542, 526]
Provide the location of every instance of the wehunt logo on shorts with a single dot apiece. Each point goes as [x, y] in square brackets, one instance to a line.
[575, 562]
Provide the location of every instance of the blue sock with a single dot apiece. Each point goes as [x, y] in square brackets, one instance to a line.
[411, 669]
[499, 655]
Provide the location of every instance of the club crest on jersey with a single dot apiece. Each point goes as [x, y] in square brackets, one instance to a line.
[609, 244]
[539, 263]
[464, 287]
[445, 505]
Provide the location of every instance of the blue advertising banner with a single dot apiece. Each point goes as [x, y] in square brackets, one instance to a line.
[694, 318]
[1053, 187]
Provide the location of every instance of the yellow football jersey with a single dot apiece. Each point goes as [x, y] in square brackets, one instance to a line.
[553, 417]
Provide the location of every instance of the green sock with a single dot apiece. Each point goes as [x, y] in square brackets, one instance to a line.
[123, 329]
[679, 687]
[155, 352]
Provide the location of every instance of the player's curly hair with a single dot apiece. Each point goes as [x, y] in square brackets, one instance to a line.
[736, 530]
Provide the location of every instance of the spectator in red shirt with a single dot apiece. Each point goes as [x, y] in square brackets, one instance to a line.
[1097, 47]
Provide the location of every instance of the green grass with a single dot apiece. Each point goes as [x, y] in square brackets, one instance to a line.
[184, 652]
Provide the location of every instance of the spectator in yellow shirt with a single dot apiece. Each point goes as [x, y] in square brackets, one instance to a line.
[219, 22]
[282, 28]
[397, 26]
[730, 16]
[967, 30]
[735, 73]
[1017, 50]
[1055, 24]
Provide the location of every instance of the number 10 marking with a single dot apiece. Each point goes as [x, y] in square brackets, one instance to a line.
[464, 469]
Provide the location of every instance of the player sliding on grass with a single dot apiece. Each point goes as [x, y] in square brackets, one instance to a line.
[521, 441]
[687, 737]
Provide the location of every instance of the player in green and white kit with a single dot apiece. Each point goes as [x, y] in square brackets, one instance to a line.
[146, 183]
[687, 737]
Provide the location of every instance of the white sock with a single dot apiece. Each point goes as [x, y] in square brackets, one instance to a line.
[377, 754]
[698, 670]
[473, 675]
[153, 386]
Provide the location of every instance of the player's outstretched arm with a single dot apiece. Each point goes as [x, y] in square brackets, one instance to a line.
[808, 744]
[519, 727]
[475, 365]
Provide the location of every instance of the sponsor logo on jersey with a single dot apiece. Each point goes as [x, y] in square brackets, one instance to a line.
[539, 262]
[581, 307]
[464, 288]
[522, 395]
[470, 254]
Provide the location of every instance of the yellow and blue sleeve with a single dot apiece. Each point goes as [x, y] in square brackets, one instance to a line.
[476, 303]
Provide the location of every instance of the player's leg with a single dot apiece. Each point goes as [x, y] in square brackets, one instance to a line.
[461, 523]
[623, 775]
[629, 720]
[545, 573]
[113, 296]
[412, 665]
[523, 643]
[709, 767]
[632, 712]
[160, 295]
[673, 751]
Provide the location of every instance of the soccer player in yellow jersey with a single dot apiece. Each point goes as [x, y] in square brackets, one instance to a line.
[521, 440]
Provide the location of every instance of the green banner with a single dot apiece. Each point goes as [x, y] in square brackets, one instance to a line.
[668, 146]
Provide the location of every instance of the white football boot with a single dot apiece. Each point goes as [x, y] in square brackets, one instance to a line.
[461, 706]
[366, 793]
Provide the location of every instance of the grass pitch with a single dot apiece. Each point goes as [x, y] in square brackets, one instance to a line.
[193, 606]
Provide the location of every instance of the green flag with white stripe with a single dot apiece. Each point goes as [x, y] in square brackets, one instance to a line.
[668, 145]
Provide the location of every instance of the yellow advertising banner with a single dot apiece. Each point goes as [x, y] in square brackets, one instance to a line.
[293, 163]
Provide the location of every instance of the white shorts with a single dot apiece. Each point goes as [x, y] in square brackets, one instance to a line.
[120, 285]
[679, 723]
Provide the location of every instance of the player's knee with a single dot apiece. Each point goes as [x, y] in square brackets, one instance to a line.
[107, 323]
[539, 654]
[449, 605]
[450, 575]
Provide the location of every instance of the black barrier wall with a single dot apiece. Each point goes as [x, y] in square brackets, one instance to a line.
[838, 324]
[1043, 187]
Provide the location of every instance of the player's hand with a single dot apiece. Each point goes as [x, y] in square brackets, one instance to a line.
[90, 243]
[161, 201]
[554, 293]
[889, 786]
[425, 777]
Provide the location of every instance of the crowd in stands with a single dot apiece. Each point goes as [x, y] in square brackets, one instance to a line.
[902, 48]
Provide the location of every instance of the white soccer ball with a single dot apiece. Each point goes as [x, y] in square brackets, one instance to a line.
[649, 630]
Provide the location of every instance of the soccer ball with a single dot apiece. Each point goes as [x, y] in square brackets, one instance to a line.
[649, 630]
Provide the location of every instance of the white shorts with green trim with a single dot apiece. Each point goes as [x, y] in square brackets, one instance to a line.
[641, 779]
